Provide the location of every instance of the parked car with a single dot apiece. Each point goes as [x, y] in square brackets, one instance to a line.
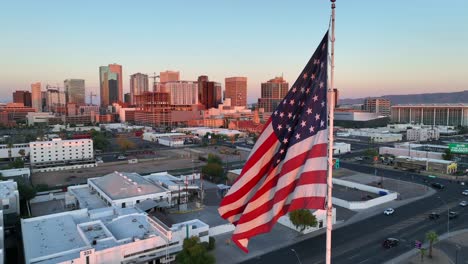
[121, 157]
[390, 242]
[453, 215]
[437, 185]
[434, 216]
[463, 203]
[465, 192]
[389, 211]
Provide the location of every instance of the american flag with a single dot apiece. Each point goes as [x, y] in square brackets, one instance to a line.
[287, 167]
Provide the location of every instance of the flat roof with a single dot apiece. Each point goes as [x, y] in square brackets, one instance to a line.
[121, 185]
[7, 188]
[86, 198]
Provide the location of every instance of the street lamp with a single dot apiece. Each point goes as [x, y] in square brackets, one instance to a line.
[448, 215]
[456, 254]
[297, 256]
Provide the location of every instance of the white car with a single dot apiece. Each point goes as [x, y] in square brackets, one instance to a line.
[465, 192]
[463, 203]
[389, 211]
[121, 157]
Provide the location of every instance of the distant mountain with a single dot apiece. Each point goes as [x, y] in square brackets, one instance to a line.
[426, 98]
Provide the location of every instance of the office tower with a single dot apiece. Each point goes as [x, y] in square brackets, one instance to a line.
[272, 92]
[377, 105]
[236, 89]
[22, 97]
[111, 86]
[75, 91]
[36, 96]
[169, 76]
[55, 100]
[138, 85]
[209, 93]
[182, 92]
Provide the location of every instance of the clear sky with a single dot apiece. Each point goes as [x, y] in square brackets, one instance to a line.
[382, 47]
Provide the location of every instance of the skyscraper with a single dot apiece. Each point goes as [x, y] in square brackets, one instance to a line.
[22, 97]
[75, 91]
[111, 86]
[236, 89]
[55, 100]
[209, 93]
[36, 96]
[169, 76]
[182, 93]
[377, 105]
[138, 85]
[272, 92]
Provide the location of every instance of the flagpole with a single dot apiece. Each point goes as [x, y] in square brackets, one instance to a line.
[331, 113]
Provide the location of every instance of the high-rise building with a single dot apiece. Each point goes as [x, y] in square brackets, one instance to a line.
[377, 105]
[36, 96]
[75, 91]
[127, 98]
[111, 85]
[182, 92]
[55, 100]
[138, 85]
[209, 93]
[22, 97]
[272, 92]
[169, 76]
[236, 89]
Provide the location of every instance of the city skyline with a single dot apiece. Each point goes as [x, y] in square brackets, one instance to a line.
[389, 48]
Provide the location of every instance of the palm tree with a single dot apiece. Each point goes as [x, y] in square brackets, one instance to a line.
[432, 237]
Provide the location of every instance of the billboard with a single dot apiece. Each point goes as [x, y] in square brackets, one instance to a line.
[458, 148]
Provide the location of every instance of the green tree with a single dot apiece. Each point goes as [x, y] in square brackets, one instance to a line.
[99, 140]
[41, 187]
[16, 164]
[22, 153]
[193, 252]
[422, 252]
[214, 170]
[302, 219]
[370, 152]
[447, 155]
[26, 191]
[432, 237]
[212, 158]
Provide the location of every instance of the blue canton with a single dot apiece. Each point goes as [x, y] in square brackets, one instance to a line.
[303, 112]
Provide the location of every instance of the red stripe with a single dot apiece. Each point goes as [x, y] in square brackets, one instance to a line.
[300, 203]
[318, 177]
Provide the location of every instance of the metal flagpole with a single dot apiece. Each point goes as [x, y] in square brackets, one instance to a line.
[331, 113]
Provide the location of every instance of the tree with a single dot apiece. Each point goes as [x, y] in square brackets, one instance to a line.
[26, 191]
[193, 252]
[422, 251]
[214, 170]
[432, 237]
[125, 144]
[9, 146]
[212, 158]
[447, 155]
[370, 152]
[16, 164]
[22, 153]
[99, 140]
[302, 219]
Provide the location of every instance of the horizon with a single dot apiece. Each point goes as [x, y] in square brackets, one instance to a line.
[386, 57]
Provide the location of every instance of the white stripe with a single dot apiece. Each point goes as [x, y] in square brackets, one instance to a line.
[312, 164]
[303, 191]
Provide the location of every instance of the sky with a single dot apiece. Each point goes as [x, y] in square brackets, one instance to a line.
[382, 47]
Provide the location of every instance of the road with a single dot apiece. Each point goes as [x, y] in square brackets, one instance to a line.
[361, 242]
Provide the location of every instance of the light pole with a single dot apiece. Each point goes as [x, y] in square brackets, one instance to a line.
[448, 215]
[456, 254]
[297, 256]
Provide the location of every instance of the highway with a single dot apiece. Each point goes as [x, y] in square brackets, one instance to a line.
[361, 242]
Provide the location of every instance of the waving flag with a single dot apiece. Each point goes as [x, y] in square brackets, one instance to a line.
[287, 168]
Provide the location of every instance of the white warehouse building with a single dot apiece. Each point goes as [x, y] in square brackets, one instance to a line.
[63, 154]
[9, 197]
[107, 235]
[14, 151]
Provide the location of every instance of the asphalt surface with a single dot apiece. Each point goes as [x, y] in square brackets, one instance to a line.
[361, 242]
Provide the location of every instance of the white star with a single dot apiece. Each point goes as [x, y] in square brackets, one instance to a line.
[309, 111]
[308, 91]
[317, 116]
[313, 76]
[281, 151]
[284, 102]
[276, 112]
[321, 84]
[289, 115]
[323, 46]
[291, 102]
[315, 98]
[321, 65]
[285, 140]
[303, 123]
[323, 103]
[294, 116]
[302, 89]
[281, 114]
[322, 123]
[316, 61]
[302, 104]
[294, 89]
[280, 127]
[289, 129]
[311, 129]
[305, 76]
[298, 136]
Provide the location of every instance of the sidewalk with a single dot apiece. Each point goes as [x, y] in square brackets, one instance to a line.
[439, 255]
